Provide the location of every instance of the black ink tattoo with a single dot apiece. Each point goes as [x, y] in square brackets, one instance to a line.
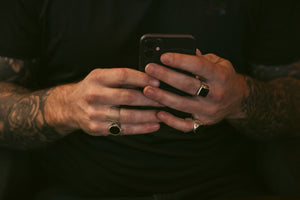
[25, 125]
[22, 119]
[17, 71]
[272, 107]
[270, 72]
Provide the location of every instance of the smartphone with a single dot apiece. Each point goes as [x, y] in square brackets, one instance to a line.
[152, 46]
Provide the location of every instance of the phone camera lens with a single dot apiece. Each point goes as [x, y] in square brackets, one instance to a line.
[149, 44]
[149, 53]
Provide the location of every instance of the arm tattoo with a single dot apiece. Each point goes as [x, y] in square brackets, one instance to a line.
[270, 72]
[16, 71]
[273, 106]
[22, 120]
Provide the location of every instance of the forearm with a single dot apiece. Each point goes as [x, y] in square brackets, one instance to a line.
[272, 109]
[23, 121]
[22, 118]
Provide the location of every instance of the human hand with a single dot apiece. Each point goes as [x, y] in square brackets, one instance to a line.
[91, 103]
[224, 100]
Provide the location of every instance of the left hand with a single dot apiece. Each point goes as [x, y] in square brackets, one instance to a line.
[224, 100]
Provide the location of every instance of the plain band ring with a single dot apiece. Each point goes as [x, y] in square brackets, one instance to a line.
[113, 114]
[197, 125]
[115, 128]
[203, 90]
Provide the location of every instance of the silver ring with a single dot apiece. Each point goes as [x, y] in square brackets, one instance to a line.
[203, 90]
[197, 125]
[115, 128]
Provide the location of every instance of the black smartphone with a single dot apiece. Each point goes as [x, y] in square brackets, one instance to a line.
[152, 46]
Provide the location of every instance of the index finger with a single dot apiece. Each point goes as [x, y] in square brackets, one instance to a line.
[197, 65]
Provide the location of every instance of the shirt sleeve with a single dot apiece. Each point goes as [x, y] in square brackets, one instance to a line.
[19, 29]
[272, 31]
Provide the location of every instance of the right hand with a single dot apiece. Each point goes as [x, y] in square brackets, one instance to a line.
[85, 105]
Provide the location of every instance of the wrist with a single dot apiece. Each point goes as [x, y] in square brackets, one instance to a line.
[57, 110]
[240, 111]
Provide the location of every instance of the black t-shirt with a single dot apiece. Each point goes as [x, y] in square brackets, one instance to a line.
[72, 37]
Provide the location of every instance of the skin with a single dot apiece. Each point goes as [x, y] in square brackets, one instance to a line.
[86, 105]
[266, 109]
[34, 118]
[30, 119]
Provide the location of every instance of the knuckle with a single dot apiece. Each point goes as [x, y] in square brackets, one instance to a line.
[92, 114]
[127, 97]
[190, 86]
[213, 58]
[218, 96]
[122, 74]
[94, 127]
[91, 98]
[127, 130]
[226, 62]
[213, 111]
[226, 71]
[179, 105]
[89, 113]
[96, 73]
[128, 118]
[200, 62]
[211, 55]
[223, 77]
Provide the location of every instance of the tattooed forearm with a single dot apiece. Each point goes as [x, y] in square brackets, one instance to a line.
[22, 122]
[22, 119]
[272, 107]
[270, 72]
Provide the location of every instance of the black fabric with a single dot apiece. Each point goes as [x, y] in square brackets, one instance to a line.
[19, 29]
[272, 32]
[72, 37]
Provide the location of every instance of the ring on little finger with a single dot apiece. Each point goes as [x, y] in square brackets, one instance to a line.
[197, 125]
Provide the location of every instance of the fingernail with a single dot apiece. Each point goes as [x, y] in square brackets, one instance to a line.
[149, 91]
[166, 58]
[149, 68]
[198, 52]
[156, 127]
[161, 114]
